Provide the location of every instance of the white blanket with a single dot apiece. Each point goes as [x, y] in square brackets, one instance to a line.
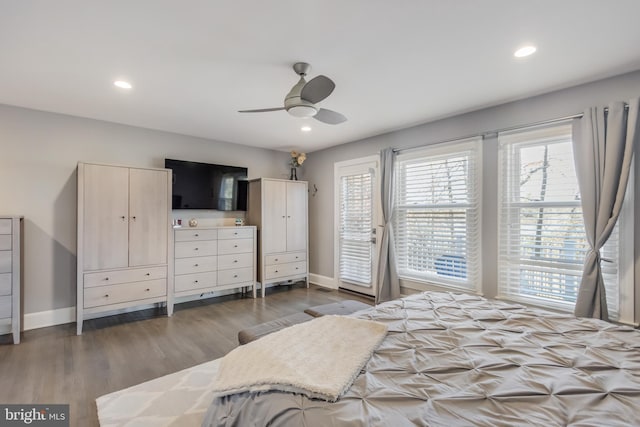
[320, 358]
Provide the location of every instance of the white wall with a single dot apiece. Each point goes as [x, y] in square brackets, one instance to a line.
[39, 154]
[318, 169]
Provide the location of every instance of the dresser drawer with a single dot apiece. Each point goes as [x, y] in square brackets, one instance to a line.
[5, 242]
[238, 246]
[191, 249]
[114, 294]
[235, 233]
[188, 282]
[237, 275]
[199, 264]
[226, 262]
[285, 258]
[5, 226]
[284, 270]
[5, 307]
[5, 261]
[124, 276]
[5, 284]
[189, 235]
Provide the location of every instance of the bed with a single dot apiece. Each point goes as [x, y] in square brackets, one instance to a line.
[460, 360]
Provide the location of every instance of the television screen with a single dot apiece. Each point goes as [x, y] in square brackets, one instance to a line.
[208, 186]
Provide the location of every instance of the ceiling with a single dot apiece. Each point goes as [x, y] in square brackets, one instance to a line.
[194, 63]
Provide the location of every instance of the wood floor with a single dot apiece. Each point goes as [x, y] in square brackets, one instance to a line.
[53, 365]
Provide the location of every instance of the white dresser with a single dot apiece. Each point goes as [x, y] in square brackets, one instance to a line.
[10, 262]
[214, 258]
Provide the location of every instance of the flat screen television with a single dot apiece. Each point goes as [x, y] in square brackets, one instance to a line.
[208, 186]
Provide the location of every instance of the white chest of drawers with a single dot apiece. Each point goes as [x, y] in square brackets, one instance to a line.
[10, 261]
[214, 259]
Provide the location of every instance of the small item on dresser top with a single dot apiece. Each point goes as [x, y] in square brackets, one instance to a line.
[193, 222]
[239, 222]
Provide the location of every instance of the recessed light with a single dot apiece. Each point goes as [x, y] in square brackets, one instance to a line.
[524, 51]
[305, 128]
[122, 84]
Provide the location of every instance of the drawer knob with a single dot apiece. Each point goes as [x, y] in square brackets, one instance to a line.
[195, 249]
[235, 260]
[122, 217]
[235, 275]
[106, 296]
[297, 268]
[235, 246]
[148, 274]
[195, 281]
[276, 271]
[148, 289]
[296, 257]
[276, 259]
[196, 235]
[235, 234]
[106, 278]
[195, 265]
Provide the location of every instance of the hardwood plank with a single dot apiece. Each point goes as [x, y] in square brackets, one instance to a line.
[54, 365]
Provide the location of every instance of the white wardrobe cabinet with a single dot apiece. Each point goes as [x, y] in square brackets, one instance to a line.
[10, 266]
[279, 209]
[124, 238]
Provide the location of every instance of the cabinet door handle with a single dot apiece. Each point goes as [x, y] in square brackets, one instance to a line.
[123, 217]
[134, 218]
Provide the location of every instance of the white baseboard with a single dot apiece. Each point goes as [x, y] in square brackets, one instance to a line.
[324, 281]
[42, 319]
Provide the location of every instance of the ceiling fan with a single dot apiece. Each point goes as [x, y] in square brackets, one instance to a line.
[301, 99]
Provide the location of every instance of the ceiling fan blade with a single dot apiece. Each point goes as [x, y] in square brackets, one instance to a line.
[329, 117]
[317, 89]
[262, 110]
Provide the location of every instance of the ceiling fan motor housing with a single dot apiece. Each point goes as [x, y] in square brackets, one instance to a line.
[295, 105]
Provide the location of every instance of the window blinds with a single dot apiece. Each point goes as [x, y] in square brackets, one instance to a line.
[437, 214]
[356, 223]
[542, 242]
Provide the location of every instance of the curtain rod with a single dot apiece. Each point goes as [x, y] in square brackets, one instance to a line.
[497, 131]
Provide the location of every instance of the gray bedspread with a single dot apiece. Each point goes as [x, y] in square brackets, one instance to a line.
[460, 360]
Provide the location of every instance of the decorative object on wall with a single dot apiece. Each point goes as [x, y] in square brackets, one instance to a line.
[297, 159]
[193, 222]
[315, 190]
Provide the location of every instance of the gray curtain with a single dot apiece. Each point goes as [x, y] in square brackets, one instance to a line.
[388, 282]
[603, 148]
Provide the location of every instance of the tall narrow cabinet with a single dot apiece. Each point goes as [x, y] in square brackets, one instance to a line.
[279, 209]
[10, 266]
[124, 239]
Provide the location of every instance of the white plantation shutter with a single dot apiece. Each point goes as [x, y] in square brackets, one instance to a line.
[542, 242]
[437, 214]
[356, 223]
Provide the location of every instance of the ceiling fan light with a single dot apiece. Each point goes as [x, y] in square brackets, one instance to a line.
[302, 111]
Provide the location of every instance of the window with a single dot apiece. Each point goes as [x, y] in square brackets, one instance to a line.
[437, 214]
[542, 242]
